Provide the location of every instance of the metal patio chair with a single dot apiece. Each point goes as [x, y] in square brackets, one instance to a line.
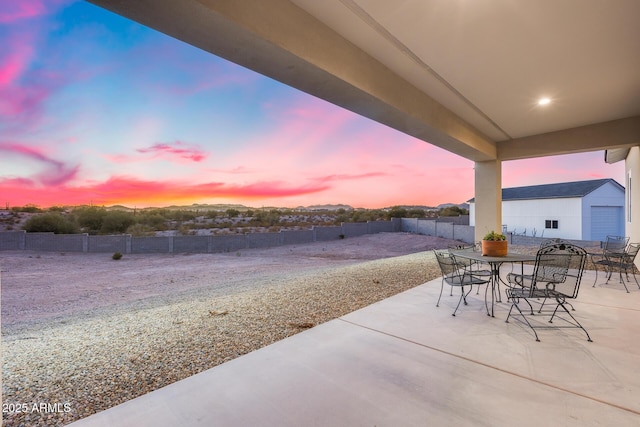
[456, 275]
[624, 262]
[612, 249]
[556, 277]
[473, 267]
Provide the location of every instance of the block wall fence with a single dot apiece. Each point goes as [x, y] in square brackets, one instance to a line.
[127, 244]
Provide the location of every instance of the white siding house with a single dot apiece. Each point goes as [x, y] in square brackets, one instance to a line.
[583, 210]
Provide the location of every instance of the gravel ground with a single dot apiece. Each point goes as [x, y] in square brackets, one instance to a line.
[82, 333]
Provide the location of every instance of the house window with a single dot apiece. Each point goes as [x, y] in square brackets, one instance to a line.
[551, 223]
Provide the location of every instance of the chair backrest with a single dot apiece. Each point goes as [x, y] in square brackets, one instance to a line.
[559, 267]
[553, 241]
[615, 243]
[466, 262]
[448, 264]
[631, 253]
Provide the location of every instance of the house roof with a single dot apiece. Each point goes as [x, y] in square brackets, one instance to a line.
[553, 191]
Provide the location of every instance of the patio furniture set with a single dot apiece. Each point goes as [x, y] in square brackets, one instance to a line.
[550, 280]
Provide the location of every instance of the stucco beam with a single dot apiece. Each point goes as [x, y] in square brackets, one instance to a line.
[280, 40]
[615, 134]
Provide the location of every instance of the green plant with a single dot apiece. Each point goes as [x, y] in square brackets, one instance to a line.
[50, 222]
[116, 256]
[494, 236]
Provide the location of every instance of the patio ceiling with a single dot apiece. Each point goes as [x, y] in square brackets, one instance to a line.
[463, 75]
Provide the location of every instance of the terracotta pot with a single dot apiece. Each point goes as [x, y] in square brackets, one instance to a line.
[495, 248]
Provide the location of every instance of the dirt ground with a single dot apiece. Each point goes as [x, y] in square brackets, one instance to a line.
[44, 286]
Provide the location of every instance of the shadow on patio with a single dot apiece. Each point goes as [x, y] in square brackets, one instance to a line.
[404, 362]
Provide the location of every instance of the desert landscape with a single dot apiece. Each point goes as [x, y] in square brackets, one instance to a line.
[83, 332]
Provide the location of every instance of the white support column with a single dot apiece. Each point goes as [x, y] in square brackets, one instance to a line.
[632, 190]
[488, 197]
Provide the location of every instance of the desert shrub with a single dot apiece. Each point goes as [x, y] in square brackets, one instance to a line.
[186, 230]
[266, 219]
[50, 222]
[397, 212]
[27, 209]
[232, 213]
[117, 222]
[90, 218]
[141, 230]
[181, 215]
[416, 213]
[153, 220]
[453, 211]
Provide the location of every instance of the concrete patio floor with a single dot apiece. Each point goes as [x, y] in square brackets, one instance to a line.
[404, 362]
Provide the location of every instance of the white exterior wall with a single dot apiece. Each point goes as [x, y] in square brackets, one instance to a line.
[519, 215]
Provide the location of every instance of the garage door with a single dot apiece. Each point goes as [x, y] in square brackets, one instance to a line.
[606, 221]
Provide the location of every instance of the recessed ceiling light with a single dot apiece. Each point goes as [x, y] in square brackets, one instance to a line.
[544, 101]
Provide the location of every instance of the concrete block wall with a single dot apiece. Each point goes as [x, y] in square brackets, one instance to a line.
[230, 243]
[50, 242]
[117, 243]
[148, 245]
[263, 240]
[380, 227]
[20, 240]
[292, 237]
[325, 233]
[191, 244]
[464, 233]
[353, 229]
[431, 227]
[444, 229]
[12, 240]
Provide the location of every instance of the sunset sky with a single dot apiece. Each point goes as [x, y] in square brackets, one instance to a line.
[96, 109]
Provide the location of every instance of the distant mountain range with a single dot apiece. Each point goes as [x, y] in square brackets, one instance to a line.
[448, 205]
[326, 207]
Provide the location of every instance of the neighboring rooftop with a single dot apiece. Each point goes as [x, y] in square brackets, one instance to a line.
[558, 190]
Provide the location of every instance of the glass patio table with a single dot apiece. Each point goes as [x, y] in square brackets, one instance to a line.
[495, 263]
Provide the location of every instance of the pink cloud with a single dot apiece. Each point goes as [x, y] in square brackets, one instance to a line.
[123, 190]
[13, 65]
[177, 149]
[55, 172]
[349, 177]
[13, 11]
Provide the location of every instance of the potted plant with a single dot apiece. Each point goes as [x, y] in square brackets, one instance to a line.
[494, 244]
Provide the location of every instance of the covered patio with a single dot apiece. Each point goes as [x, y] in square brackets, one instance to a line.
[405, 362]
[466, 77]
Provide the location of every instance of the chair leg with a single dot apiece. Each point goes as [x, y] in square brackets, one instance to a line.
[459, 301]
[440, 296]
[463, 297]
[562, 304]
[635, 278]
[524, 318]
